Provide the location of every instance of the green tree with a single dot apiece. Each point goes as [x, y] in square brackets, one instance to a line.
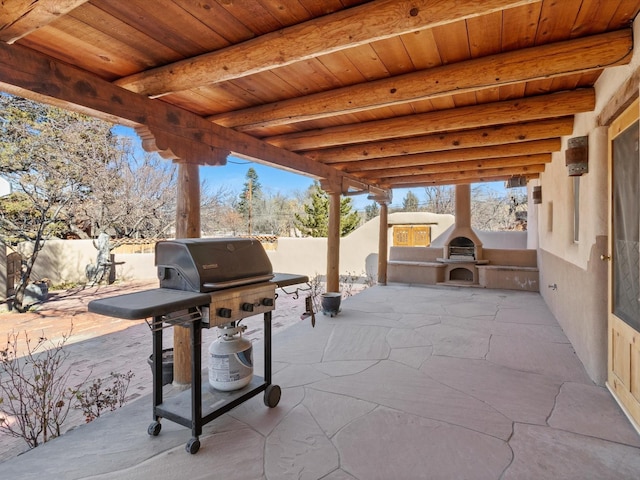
[70, 175]
[315, 220]
[371, 211]
[44, 154]
[250, 199]
[410, 202]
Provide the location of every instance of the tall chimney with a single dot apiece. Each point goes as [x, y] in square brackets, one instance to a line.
[462, 226]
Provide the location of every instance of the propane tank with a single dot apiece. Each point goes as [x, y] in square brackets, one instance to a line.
[230, 359]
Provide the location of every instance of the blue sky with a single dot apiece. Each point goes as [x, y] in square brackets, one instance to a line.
[232, 177]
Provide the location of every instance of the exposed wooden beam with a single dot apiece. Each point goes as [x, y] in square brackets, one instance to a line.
[438, 158]
[470, 176]
[331, 33]
[479, 179]
[33, 75]
[463, 166]
[495, 135]
[19, 18]
[510, 111]
[562, 58]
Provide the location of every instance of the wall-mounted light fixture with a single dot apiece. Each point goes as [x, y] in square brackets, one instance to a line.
[537, 194]
[517, 181]
[577, 156]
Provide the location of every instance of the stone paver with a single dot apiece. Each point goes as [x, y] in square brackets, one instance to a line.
[405, 383]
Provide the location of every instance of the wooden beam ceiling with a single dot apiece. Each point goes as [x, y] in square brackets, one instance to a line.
[345, 29]
[483, 115]
[476, 116]
[439, 142]
[544, 62]
[33, 75]
[19, 18]
[457, 155]
[451, 178]
[459, 166]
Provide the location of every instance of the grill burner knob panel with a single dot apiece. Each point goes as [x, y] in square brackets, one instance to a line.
[241, 302]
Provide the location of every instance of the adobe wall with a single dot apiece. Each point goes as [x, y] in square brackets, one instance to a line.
[64, 261]
[579, 298]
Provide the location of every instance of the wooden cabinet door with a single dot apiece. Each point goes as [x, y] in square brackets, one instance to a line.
[411, 235]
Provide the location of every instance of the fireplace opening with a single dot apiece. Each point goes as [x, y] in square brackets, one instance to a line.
[462, 247]
[461, 275]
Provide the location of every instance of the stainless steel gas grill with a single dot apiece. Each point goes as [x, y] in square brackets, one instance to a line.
[204, 283]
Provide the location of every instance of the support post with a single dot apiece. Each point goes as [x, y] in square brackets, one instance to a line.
[333, 243]
[383, 240]
[187, 226]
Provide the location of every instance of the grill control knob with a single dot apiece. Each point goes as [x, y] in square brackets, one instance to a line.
[267, 302]
[224, 312]
[247, 307]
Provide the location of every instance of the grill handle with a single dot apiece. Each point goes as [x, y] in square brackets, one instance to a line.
[238, 282]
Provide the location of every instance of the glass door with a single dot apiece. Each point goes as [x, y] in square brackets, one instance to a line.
[624, 272]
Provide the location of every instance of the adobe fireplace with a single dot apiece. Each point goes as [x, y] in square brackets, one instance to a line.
[463, 249]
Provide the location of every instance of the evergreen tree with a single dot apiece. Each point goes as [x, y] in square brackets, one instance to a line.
[410, 202]
[315, 221]
[371, 211]
[250, 198]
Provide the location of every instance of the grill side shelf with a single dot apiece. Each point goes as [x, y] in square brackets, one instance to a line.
[148, 303]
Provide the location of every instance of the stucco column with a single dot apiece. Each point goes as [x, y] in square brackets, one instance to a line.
[333, 243]
[463, 204]
[383, 240]
[532, 218]
[187, 226]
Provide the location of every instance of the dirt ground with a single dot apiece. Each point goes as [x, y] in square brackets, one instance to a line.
[98, 345]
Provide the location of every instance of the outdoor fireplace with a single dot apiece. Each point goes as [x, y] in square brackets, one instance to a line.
[463, 249]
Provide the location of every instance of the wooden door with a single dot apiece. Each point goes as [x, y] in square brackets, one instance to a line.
[624, 255]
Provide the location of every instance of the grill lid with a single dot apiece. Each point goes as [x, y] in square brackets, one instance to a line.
[208, 264]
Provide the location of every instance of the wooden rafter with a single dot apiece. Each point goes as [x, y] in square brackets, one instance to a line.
[470, 176]
[33, 75]
[570, 57]
[461, 166]
[480, 137]
[510, 111]
[21, 17]
[331, 33]
[432, 159]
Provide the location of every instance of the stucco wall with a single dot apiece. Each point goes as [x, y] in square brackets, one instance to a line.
[580, 300]
[63, 261]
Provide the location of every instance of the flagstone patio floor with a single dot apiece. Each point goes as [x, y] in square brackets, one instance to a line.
[406, 382]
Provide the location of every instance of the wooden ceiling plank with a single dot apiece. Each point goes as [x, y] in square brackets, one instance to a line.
[422, 49]
[469, 176]
[519, 26]
[32, 75]
[464, 154]
[452, 42]
[345, 29]
[167, 22]
[544, 62]
[512, 111]
[22, 17]
[485, 35]
[556, 21]
[456, 166]
[496, 135]
[594, 16]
